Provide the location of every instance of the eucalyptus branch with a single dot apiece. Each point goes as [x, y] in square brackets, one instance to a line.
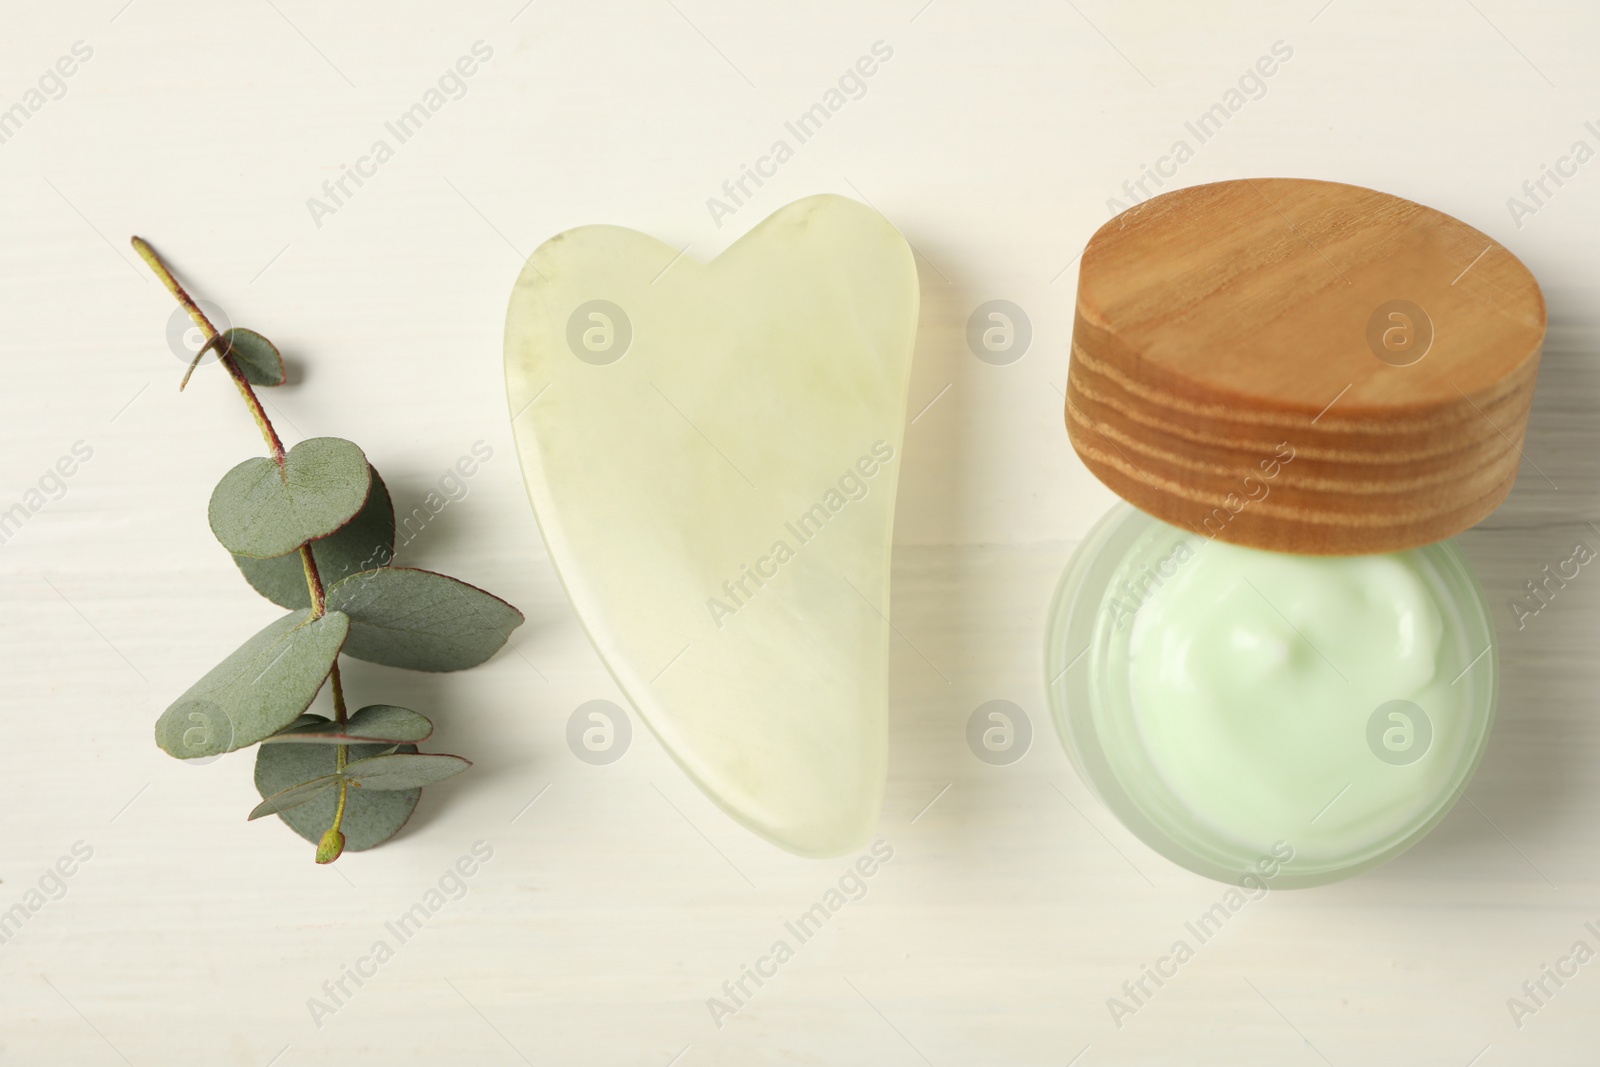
[308, 512]
[332, 843]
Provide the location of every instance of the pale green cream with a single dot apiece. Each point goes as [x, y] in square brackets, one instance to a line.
[1253, 678]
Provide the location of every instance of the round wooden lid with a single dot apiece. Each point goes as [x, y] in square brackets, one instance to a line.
[1303, 366]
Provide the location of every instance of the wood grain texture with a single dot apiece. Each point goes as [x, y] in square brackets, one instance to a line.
[1236, 370]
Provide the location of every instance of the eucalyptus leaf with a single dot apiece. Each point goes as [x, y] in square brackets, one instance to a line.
[258, 690]
[405, 617]
[371, 816]
[375, 723]
[404, 770]
[256, 357]
[260, 510]
[293, 797]
[307, 719]
[366, 541]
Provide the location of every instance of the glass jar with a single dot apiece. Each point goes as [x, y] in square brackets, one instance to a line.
[1245, 713]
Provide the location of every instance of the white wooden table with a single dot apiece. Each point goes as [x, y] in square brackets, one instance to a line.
[618, 900]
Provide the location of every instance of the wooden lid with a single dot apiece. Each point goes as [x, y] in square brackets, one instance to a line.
[1303, 366]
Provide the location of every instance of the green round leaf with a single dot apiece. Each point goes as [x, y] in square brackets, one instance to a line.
[307, 719]
[293, 797]
[256, 357]
[258, 690]
[366, 541]
[371, 816]
[404, 617]
[375, 723]
[404, 770]
[259, 510]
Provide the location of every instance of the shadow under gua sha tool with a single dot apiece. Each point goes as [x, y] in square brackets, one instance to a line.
[1270, 662]
[712, 451]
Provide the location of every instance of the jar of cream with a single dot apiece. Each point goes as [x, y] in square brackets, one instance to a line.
[1271, 661]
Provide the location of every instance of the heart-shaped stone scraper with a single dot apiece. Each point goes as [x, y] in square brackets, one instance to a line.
[712, 451]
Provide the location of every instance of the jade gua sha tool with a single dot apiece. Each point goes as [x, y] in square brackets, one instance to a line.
[712, 452]
[1273, 666]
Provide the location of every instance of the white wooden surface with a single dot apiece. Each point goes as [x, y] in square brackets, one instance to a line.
[621, 900]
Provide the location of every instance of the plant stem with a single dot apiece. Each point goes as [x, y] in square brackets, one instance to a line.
[151, 257]
[275, 446]
[341, 756]
[338, 698]
[338, 813]
[319, 602]
[264, 424]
